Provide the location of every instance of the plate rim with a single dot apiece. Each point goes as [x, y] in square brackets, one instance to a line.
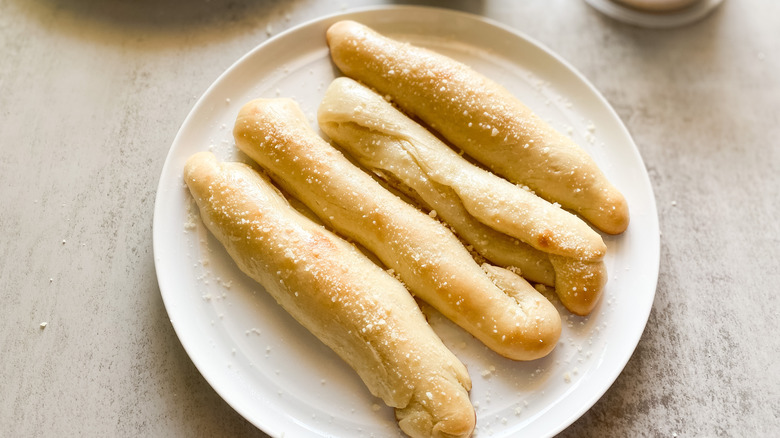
[270, 426]
[658, 20]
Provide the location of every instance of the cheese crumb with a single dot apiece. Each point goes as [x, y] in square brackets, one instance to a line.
[489, 371]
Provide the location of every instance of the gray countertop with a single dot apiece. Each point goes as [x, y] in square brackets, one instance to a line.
[92, 93]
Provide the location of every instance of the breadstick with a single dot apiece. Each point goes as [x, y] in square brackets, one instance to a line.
[483, 119]
[350, 304]
[385, 141]
[427, 256]
[382, 138]
[579, 284]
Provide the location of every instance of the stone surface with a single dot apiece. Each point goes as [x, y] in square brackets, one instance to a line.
[92, 93]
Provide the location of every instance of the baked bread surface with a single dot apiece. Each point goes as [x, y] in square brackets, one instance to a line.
[485, 210]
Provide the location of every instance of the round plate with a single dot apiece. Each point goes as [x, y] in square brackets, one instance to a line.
[637, 17]
[280, 377]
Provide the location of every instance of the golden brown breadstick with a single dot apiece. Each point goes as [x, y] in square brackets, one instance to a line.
[483, 119]
[427, 256]
[349, 303]
[579, 284]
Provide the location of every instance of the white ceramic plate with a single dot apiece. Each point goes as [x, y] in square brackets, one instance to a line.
[281, 378]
